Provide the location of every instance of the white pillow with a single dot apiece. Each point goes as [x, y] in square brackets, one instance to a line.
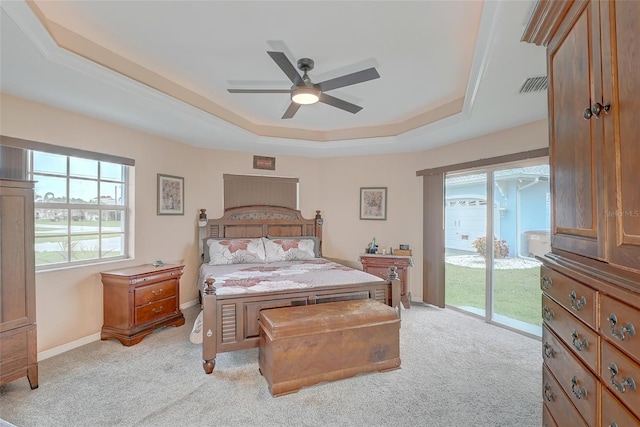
[288, 249]
[316, 241]
[236, 251]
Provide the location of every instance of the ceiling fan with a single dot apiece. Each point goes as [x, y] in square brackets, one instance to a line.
[304, 91]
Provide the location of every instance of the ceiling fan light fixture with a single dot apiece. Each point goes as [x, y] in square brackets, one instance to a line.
[305, 95]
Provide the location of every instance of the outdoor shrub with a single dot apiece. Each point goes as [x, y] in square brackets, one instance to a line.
[500, 247]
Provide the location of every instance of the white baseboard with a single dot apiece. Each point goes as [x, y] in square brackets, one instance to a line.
[88, 339]
[68, 346]
[189, 304]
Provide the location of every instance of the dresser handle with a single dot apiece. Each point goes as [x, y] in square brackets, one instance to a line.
[627, 329]
[156, 311]
[579, 344]
[546, 282]
[576, 303]
[621, 386]
[578, 392]
[547, 314]
[548, 394]
[613, 424]
[157, 293]
[548, 350]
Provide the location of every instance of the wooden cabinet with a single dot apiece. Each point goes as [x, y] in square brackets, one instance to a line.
[18, 350]
[621, 88]
[593, 53]
[591, 278]
[590, 346]
[139, 299]
[378, 265]
[576, 151]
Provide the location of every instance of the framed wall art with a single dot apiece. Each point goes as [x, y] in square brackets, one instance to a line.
[373, 203]
[263, 162]
[170, 195]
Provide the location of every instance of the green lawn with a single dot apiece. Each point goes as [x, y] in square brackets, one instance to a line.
[516, 292]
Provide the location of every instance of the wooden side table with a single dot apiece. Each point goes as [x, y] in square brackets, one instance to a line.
[378, 264]
[138, 300]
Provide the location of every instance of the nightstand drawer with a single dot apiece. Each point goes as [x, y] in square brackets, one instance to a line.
[155, 292]
[154, 311]
[382, 272]
[579, 299]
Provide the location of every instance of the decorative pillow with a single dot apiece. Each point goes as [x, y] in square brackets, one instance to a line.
[316, 242]
[236, 251]
[205, 248]
[288, 249]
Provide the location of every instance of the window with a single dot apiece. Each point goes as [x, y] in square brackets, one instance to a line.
[80, 209]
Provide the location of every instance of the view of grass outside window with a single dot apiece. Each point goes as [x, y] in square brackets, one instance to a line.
[80, 209]
[497, 278]
[516, 291]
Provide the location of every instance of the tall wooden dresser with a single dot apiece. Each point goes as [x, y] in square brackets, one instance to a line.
[18, 350]
[591, 277]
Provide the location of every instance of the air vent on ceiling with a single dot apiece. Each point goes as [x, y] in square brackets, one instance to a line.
[534, 84]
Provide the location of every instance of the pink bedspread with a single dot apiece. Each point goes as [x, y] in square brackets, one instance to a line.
[254, 278]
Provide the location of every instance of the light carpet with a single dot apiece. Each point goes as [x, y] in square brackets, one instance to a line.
[456, 370]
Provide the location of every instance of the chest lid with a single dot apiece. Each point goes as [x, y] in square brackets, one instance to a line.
[288, 322]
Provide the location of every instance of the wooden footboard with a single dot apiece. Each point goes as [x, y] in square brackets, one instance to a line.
[231, 322]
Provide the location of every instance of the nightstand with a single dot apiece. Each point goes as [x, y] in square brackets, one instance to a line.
[138, 300]
[378, 264]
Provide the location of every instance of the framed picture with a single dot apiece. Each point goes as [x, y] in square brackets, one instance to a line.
[262, 162]
[373, 203]
[170, 195]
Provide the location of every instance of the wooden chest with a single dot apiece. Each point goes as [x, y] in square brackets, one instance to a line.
[305, 345]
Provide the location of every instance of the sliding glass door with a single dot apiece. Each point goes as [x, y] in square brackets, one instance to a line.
[465, 225]
[490, 265]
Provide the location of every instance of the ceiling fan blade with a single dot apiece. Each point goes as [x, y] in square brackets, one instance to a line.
[339, 103]
[291, 111]
[349, 79]
[259, 90]
[285, 65]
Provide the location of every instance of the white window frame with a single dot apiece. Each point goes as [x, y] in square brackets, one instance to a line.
[70, 207]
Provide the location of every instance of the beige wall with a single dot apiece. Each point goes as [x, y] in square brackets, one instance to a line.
[69, 301]
[346, 235]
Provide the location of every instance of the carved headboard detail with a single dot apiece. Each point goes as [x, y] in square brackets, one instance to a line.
[262, 221]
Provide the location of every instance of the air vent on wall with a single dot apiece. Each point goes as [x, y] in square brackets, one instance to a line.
[534, 84]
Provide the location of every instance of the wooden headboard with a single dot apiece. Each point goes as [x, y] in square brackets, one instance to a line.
[262, 221]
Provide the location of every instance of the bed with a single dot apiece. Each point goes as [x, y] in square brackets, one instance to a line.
[230, 311]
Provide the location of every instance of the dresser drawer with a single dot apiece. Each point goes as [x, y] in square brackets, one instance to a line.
[155, 292]
[154, 311]
[576, 380]
[17, 350]
[578, 298]
[620, 324]
[547, 419]
[576, 335]
[614, 413]
[622, 376]
[557, 403]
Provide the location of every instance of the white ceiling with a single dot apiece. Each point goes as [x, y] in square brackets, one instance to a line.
[168, 64]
